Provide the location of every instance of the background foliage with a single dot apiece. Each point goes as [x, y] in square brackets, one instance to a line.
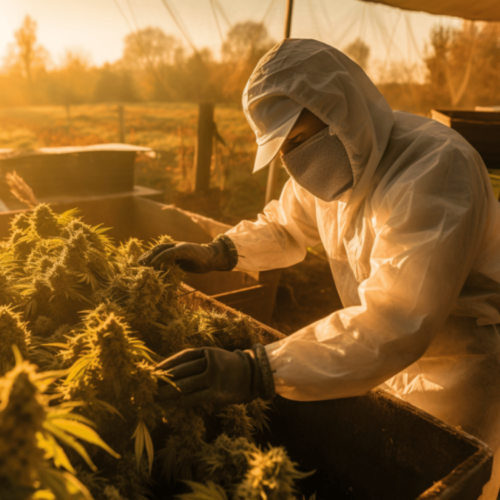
[462, 66]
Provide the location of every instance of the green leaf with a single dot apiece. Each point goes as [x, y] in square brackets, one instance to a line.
[44, 379]
[42, 495]
[55, 344]
[70, 441]
[47, 442]
[166, 378]
[63, 485]
[149, 448]
[83, 432]
[107, 407]
[79, 368]
[68, 415]
[209, 491]
[54, 482]
[139, 442]
[143, 438]
[17, 354]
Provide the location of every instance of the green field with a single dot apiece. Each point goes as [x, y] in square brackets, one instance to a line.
[169, 129]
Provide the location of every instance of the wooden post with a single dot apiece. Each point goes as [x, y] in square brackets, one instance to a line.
[68, 116]
[288, 20]
[272, 177]
[203, 152]
[121, 124]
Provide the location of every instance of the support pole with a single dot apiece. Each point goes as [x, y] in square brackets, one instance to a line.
[288, 19]
[203, 153]
[272, 179]
[68, 116]
[121, 123]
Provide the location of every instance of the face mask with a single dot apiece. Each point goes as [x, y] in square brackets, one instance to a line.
[321, 166]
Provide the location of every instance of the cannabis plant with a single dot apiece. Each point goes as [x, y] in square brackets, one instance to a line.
[33, 434]
[96, 323]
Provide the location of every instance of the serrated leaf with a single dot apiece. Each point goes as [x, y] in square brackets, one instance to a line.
[209, 491]
[139, 442]
[167, 379]
[107, 407]
[55, 344]
[68, 415]
[70, 441]
[84, 432]
[79, 368]
[17, 354]
[63, 485]
[54, 451]
[149, 448]
[143, 438]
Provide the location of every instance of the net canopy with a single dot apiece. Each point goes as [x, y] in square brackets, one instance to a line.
[479, 10]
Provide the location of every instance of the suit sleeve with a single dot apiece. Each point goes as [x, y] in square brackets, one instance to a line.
[280, 236]
[428, 227]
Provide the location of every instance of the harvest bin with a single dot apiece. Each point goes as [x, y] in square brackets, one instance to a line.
[482, 130]
[374, 447]
[57, 174]
[138, 217]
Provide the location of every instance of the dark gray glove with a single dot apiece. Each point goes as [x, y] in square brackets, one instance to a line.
[211, 375]
[219, 255]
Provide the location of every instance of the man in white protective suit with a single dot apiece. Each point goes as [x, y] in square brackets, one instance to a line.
[404, 208]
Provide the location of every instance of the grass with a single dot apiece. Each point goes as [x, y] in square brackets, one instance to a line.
[169, 129]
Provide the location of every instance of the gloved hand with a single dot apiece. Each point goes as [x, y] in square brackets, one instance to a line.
[211, 375]
[219, 255]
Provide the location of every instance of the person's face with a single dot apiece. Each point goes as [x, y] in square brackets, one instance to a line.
[307, 125]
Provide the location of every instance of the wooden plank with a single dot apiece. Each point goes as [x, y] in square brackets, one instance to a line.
[249, 301]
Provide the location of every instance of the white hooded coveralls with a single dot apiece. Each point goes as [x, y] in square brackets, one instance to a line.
[414, 249]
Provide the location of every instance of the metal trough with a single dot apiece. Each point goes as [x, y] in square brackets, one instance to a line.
[135, 216]
[374, 447]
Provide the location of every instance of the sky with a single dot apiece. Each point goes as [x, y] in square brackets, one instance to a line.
[97, 27]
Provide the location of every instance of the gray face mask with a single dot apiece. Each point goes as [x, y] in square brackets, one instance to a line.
[321, 166]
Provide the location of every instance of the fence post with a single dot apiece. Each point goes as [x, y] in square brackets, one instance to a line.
[121, 123]
[203, 153]
[68, 116]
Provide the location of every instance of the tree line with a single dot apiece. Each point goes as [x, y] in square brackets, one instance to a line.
[461, 69]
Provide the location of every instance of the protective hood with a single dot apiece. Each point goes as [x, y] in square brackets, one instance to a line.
[334, 88]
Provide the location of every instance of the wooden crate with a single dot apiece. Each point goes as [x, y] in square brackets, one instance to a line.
[373, 447]
[74, 171]
[480, 128]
